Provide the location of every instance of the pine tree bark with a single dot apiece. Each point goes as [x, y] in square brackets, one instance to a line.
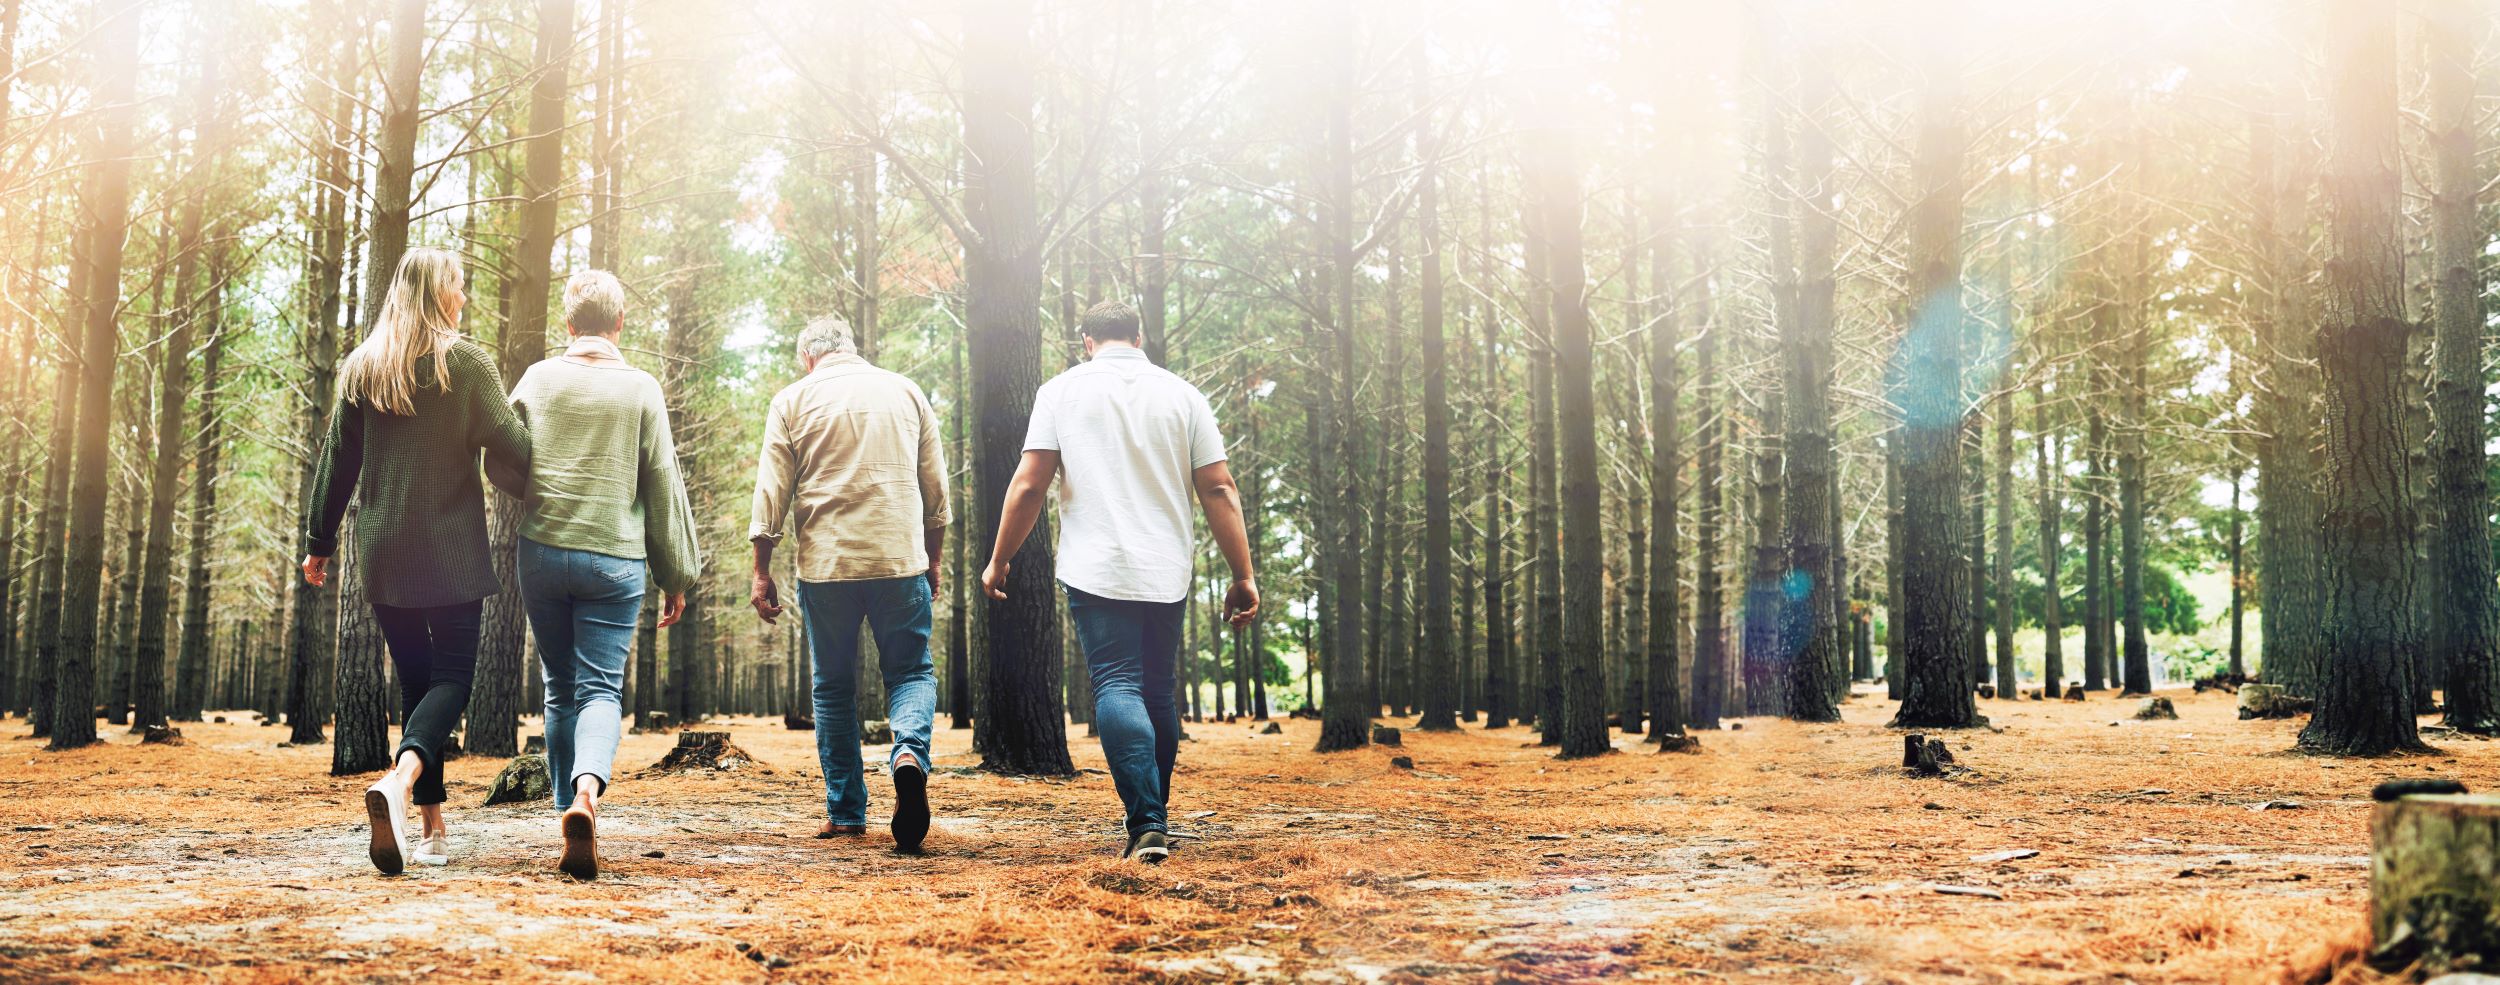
[1439, 663]
[193, 306]
[314, 614]
[192, 681]
[1928, 385]
[2136, 658]
[2289, 598]
[1666, 454]
[1810, 635]
[2052, 549]
[364, 695]
[1495, 569]
[1582, 676]
[2462, 630]
[105, 208]
[1708, 699]
[1022, 726]
[1544, 521]
[2365, 706]
[2096, 601]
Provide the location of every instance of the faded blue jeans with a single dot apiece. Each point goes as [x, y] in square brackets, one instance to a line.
[897, 613]
[1132, 649]
[582, 608]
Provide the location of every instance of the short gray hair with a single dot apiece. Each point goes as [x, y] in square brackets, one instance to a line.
[826, 335]
[594, 302]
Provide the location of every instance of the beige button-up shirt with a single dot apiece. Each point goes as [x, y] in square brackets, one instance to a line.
[854, 454]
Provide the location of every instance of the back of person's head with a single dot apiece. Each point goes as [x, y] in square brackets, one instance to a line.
[1111, 321]
[594, 303]
[825, 335]
[420, 317]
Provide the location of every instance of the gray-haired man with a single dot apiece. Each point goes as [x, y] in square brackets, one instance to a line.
[852, 454]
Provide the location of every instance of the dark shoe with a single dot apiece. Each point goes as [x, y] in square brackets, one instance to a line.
[1148, 847]
[581, 844]
[911, 806]
[832, 830]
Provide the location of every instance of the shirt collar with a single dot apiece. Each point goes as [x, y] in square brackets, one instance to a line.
[587, 345]
[1119, 352]
[830, 361]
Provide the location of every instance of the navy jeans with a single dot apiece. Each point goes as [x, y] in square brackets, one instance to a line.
[434, 652]
[583, 607]
[897, 613]
[1132, 649]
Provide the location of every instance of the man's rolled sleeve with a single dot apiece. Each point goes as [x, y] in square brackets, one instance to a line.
[1206, 441]
[774, 468]
[1041, 430]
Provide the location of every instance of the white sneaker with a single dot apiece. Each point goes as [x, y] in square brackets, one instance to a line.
[434, 850]
[386, 810]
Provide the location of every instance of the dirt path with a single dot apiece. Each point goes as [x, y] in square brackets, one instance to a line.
[1781, 853]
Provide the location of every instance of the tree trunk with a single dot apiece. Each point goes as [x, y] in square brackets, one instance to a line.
[192, 306]
[1544, 522]
[105, 207]
[2137, 667]
[2052, 549]
[2096, 636]
[1582, 676]
[365, 704]
[191, 675]
[2008, 687]
[2365, 706]
[1666, 454]
[1928, 386]
[2289, 597]
[315, 618]
[1810, 635]
[2462, 631]
[1439, 663]
[1709, 676]
[1022, 726]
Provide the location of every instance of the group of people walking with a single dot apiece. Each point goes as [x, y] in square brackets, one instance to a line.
[851, 469]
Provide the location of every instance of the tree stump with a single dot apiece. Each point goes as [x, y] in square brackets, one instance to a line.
[705, 750]
[160, 735]
[2156, 708]
[2435, 882]
[1930, 758]
[1272, 729]
[655, 721]
[535, 745]
[876, 733]
[1910, 746]
[1384, 735]
[524, 780]
[1987, 690]
[2074, 692]
[797, 722]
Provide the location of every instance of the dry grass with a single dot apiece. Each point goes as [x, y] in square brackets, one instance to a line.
[1782, 852]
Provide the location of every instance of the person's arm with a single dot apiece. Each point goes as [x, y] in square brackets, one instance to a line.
[334, 485]
[1221, 501]
[936, 512]
[667, 517]
[498, 470]
[1018, 514]
[498, 429]
[774, 469]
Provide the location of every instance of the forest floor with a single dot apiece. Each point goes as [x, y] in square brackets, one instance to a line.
[2189, 850]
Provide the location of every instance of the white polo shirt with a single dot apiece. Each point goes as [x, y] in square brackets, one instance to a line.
[1129, 434]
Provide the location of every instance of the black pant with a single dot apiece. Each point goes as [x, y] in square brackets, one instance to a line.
[434, 651]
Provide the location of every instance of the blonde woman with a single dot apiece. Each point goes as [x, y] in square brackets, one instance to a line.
[416, 402]
[606, 519]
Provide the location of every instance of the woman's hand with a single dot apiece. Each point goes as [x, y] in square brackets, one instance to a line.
[316, 570]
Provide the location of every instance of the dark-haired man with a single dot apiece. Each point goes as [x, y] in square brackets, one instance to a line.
[1135, 444]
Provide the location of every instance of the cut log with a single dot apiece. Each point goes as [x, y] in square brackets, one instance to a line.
[2270, 701]
[1386, 736]
[2155, 708]
[523, 781]
[2434, 882]
[160, 735]
[708, 751]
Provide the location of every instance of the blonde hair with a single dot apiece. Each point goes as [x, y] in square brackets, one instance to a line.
[415, 323]
[594, 303]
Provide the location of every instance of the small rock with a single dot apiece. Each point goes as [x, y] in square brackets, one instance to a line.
[221, 720]
[1982, 892]
[2156, 709]
[522, 781]
[34, 827]
[777, 962]
[1932, 806]
[2277, 805]
[1402, 762]
[655, 853]
[1549, 836]
[1735, 726]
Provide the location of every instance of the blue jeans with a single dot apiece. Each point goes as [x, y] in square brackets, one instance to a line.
[1132, 649]
[897, 613]
[582, 608]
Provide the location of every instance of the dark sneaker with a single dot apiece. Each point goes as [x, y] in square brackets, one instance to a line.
[911, 805]
[1148, 847]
